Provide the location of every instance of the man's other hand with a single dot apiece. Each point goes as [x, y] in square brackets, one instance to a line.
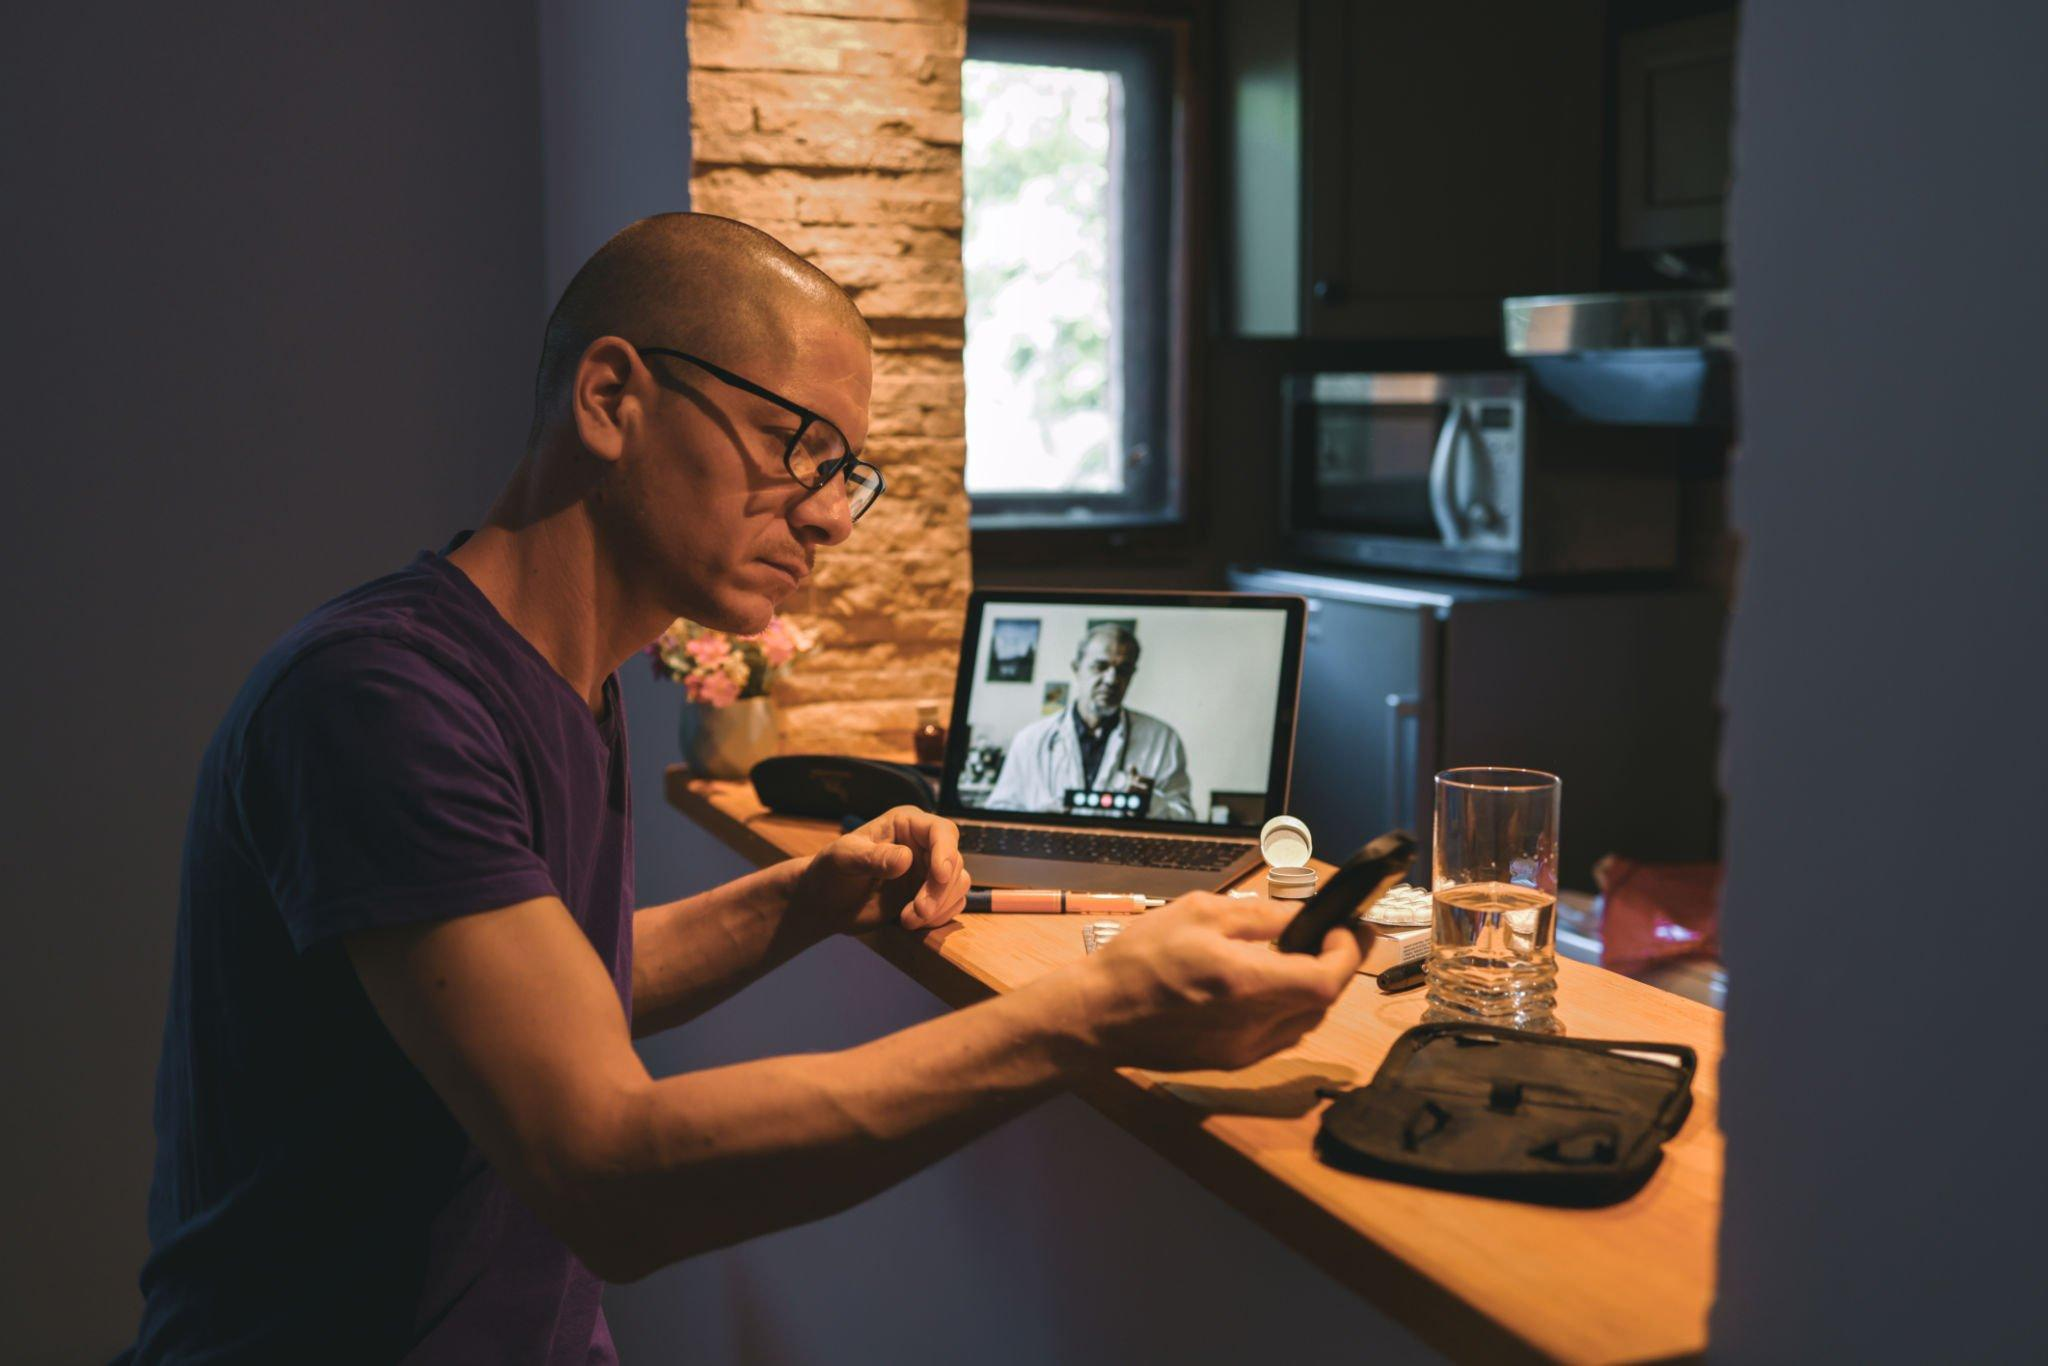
[1197, 983]
[904, 866]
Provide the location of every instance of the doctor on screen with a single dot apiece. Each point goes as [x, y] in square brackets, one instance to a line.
[1097, 742]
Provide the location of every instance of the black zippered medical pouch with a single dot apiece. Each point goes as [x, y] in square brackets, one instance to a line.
[1499, 1112]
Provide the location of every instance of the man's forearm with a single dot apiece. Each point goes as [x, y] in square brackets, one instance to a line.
[711, 1158]
[691, 954]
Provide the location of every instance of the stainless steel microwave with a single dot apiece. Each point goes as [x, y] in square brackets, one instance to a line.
[1459, 473]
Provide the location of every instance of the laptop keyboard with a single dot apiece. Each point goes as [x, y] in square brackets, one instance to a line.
[1087, 846]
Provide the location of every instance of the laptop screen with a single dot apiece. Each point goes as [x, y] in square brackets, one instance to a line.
[1160, 710]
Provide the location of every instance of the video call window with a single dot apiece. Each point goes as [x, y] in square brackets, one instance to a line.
[1157, 713]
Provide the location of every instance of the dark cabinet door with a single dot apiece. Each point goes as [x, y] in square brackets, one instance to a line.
[1365, 740]
[1675, 106]
[1453, 156]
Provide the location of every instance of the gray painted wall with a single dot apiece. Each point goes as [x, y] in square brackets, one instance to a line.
[1885, 735]
[273, 285]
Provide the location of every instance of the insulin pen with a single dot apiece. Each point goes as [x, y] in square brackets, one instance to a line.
[1054, 903]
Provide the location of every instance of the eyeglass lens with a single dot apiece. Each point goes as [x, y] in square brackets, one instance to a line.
[820, 447]
[863, 486]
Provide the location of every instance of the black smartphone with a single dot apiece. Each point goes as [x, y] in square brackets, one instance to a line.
[1365, 877]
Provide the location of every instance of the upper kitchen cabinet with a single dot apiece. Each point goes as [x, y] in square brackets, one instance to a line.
[1400, 167]
[1675, 94]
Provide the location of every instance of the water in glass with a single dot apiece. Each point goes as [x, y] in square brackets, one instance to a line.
[1494, 955]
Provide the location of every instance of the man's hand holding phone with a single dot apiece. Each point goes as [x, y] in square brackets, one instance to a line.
[1197, 984]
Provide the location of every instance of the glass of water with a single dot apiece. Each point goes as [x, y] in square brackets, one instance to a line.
[1493, 949]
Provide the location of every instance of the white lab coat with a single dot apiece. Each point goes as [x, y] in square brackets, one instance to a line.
[1044, 760]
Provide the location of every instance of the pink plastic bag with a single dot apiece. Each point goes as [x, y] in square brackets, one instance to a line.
[1657, 913]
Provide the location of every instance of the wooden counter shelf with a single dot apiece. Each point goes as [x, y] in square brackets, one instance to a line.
[1479, 1279]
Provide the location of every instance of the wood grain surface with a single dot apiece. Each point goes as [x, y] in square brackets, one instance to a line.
[1481, 1279]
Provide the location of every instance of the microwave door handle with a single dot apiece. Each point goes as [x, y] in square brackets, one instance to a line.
[1442, 503]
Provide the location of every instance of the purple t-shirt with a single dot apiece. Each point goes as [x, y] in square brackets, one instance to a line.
[401, 756]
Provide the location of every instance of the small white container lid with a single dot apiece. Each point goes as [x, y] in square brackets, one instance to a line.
[1286, 843]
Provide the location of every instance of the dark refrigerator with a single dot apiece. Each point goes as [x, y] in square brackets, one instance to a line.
[1611, 688]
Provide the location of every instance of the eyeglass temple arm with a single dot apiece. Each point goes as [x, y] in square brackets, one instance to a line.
[743, 383]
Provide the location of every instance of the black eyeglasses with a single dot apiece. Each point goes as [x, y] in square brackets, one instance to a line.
[817, 450]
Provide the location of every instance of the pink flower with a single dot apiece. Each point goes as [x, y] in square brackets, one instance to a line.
[776, 646]
[709, 649]
[713, 689]
[780, 641]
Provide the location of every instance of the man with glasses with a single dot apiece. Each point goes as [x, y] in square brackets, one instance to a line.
[399, 1113]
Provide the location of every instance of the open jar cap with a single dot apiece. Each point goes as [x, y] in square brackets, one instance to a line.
[1286, 843]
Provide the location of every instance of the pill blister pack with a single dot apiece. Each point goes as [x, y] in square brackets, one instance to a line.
[1404, 906]
[1096, 933]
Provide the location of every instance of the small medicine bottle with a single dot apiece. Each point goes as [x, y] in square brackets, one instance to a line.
[1286, 843]
[929, 739]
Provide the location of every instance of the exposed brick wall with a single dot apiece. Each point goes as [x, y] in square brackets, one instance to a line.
[835, 125]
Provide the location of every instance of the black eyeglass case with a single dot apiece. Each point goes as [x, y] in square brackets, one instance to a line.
[1530, 1117]
[838, 786]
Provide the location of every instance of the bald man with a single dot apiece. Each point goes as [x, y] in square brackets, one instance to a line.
[399, 1114]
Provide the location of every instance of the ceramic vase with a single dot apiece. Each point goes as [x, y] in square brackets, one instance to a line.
[726, 742]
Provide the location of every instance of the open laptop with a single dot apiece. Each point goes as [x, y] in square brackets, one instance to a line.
[1120, 742]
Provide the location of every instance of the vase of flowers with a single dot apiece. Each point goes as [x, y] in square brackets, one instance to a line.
[729, 723]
